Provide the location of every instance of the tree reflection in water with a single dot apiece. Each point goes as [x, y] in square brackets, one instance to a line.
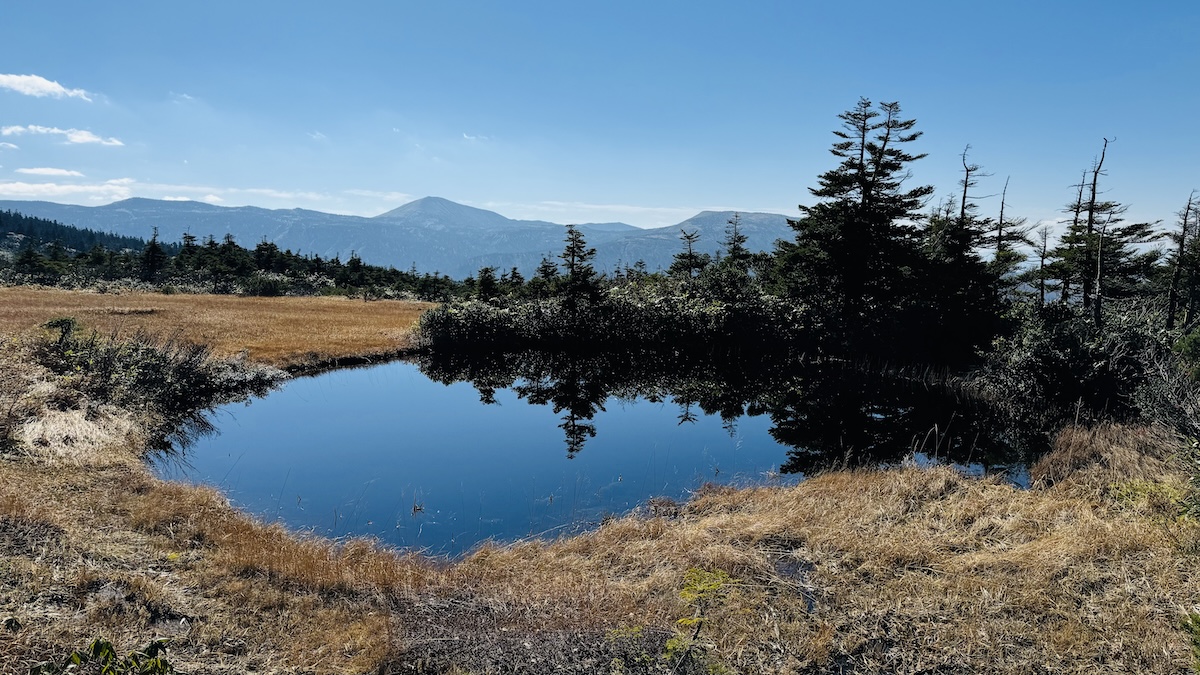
[830, 414]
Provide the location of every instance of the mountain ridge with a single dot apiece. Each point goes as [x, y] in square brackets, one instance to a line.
[432, 233]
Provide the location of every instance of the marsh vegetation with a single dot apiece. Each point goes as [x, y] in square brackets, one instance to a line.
[1089, 347]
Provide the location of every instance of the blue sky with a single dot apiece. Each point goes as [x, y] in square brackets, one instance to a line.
[577, 111]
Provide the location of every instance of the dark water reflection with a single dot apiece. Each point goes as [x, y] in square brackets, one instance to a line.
[452, 450]
[826, 415]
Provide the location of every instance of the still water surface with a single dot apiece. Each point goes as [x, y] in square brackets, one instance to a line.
[461, 449]
[387, 452]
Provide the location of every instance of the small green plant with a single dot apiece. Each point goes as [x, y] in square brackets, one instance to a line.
[1174, 508]
[701, 590]
[1191, 626]
[1162, 498]
[147, 661]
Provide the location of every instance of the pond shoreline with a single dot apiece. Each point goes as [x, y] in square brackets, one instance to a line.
[422, 463]
[851, 571]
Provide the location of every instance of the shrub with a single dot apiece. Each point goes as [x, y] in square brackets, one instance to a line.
[1059, 367]
[169, 379]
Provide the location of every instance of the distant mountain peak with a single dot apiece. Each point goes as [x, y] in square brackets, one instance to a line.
[438, 207]
[434, 233]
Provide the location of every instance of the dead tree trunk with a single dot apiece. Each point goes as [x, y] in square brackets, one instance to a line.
[1177, 273]
[1088, 285]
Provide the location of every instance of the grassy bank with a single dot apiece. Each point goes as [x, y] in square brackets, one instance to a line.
[906, 570]
[289, 333]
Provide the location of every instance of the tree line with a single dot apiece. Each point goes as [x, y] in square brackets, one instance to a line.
[52, 254]
[878, 273]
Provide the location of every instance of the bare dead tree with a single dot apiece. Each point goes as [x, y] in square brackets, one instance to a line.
[1073, 244]
[1177, 273]
[1043, 242]
[970, 179]
[1092, 210]
[1097, 318]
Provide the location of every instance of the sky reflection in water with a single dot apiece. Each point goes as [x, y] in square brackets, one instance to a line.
[388, 452]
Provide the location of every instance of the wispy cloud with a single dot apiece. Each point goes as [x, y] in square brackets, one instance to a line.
[47, 171]
[8, 146]
[578, 212]
[211, 199]
[74, 136]
[124, 188]
[317, 136]
[469, 137]
[280, 194]
[36, 85]
[215, 194]
[403, 197]
[112, 190]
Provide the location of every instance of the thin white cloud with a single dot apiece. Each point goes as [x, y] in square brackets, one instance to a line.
[112, 190]
[47, 171]
[281, 194]
[124, 188]
[622, 208]
[211, 199]
[36, 85]
[402, 197]
[8, 146]
[583, 212]
[317, 136]
[73, 136]
[577, 212]
[469, 137]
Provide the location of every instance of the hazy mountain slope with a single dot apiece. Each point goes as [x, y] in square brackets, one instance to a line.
[433, 234]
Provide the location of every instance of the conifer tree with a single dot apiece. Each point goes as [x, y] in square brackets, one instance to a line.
[689, 263]
[736, 253]
[580, 284]
[852, 261]
[153, 259]
[487, 287]
[1009, 233]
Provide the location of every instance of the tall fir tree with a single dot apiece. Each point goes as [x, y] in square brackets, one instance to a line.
[689, 263]
[853, 259]
[153, 259]
[580, 285]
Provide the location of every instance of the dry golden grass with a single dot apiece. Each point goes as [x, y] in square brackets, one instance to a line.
[287, 333]
[906, 570]
[88, 553]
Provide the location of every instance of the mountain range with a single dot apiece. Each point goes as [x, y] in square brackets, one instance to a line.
[432, 234]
